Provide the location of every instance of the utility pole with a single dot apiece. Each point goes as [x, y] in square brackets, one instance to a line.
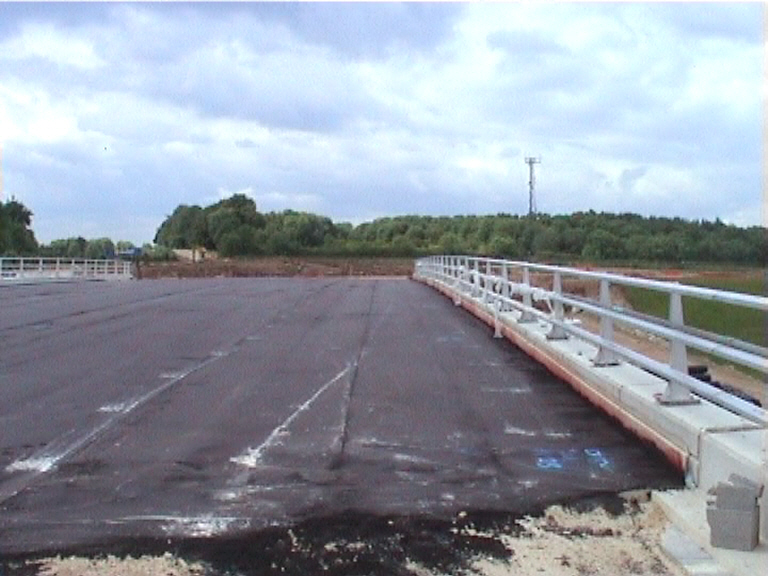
[531, 184]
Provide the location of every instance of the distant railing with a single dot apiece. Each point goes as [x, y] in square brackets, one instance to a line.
[13, 269]
[506, 289]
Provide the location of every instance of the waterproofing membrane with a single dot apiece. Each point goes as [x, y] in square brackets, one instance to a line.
[204, 411]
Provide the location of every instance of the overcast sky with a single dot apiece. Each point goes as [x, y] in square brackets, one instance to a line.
[111, 115]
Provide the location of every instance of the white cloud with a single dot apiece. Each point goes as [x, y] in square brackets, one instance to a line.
[131, 110]
[48, 43]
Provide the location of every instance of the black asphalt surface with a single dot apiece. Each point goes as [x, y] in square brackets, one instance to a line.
[196, 410]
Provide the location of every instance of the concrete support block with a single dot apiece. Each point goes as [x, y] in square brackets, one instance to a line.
[764, 516]
[733, 515]
[733, 529]
[738, 494]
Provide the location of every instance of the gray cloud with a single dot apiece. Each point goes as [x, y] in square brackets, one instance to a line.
[65, 15]
[365, 30]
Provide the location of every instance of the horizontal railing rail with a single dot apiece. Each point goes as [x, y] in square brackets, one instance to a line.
[25, 269]
[540, 292]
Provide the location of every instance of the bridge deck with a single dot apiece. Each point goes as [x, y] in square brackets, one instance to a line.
[175, 409]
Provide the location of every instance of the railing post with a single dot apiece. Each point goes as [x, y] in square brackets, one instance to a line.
[605, 357]
[455, 270]
[496, 321]
[527, 315]
[468, 275]
[676, 393]
[456, 275]
[476, 279]
[505, 289]
[557, 332]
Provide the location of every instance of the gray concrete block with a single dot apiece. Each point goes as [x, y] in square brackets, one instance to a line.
[731, 497]
[733, 529]
[738, 480]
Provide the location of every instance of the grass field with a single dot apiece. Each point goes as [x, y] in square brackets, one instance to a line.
[735, 321]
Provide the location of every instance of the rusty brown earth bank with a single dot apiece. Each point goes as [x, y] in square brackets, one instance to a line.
[277, 266]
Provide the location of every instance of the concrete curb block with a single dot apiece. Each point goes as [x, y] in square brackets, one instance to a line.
[688, 555]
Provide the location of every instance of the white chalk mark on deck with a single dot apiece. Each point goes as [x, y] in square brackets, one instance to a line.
[49, 457]
[204, 526]
[252, 457]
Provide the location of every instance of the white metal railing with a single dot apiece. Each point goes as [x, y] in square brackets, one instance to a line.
[42, 269]
[505, 287]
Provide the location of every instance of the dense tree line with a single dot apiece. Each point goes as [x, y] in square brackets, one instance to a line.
[79, 247]
[16, 236]
[235, 227]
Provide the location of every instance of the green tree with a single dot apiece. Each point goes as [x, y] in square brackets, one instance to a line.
[185, 228]
[100, 248]
[16, 236]
[76, 247]
[450, 243]
[221, 222]
[603, 245]
[504, 247]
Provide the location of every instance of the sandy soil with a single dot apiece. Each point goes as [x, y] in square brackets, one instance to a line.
[165, 565]
[558, 543]
[564, 543]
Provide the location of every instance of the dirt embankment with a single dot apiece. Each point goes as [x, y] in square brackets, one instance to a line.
[277, 266]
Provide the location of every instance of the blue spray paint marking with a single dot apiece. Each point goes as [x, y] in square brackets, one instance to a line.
[555, 460]
[549, 463]
[596, 456]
